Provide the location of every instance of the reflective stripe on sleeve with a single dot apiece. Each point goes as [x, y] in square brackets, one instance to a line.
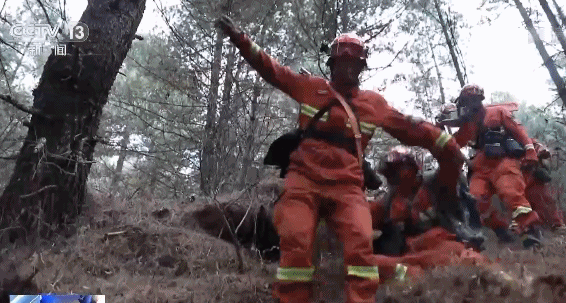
[529, 146]
[303, 274]
[521, 210]
[365, 128]
[254, 50]
[442, 140]
[366, 272]
[311, 111]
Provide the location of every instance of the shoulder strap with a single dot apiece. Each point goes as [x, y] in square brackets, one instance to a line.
[353, 122]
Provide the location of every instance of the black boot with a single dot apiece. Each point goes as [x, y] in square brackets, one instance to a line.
[532, 238]
[504, 235]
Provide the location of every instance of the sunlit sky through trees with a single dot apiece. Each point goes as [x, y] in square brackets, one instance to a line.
[499, 54]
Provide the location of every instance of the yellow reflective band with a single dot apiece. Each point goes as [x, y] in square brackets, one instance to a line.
[363, 129]
[311, 111]
[308, 110]
[521, 210]
[303, 274]
[367, 128]
[442, 140]
[367, 272]
[400, 272]
[254, 49]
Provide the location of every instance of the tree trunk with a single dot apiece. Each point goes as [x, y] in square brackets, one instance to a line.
[47, 188]
[438, 74]
[121, 159]
[450, 45]
[555, 26]
[560, 13]
[345, 19]
[209, 161]
[250, 136]
[548, 62]
[227, 140]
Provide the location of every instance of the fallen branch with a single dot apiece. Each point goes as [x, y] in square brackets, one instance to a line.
[113, 234]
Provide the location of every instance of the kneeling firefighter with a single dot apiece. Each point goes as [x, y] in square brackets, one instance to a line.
[501, 142]
[324, 177]
[414, 235]
[410, 206]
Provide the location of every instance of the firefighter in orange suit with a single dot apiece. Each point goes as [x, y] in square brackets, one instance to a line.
[538, 191]
[324, 177]
[411, 209]
[496, 168]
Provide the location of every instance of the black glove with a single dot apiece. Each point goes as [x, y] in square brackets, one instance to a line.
[227, 26]
[542, 174]
[371, 180]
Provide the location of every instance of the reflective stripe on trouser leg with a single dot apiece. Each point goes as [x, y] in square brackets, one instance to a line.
[400, 272]
[298, 274]
[366, 272]
[521, 210]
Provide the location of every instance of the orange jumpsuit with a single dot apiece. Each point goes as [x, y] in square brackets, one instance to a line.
[326, 180]
[434, 247]
[501, 176]
[539, 195]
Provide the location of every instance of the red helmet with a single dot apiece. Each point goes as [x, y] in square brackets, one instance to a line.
[397, 156]
[472, 90]
[401, 154]
[398, 153]
[348, 45]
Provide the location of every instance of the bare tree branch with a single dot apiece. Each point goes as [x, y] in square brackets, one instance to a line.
[45, 12]
[5, 75]
[10, 46]
[392, 60]
[18, 105]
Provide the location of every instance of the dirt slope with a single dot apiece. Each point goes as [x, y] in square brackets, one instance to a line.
[151, 251]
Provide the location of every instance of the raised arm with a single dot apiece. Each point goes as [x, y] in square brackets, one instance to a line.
[269, 69]
[416, 132]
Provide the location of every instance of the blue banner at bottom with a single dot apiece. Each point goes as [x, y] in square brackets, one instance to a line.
[54, 298]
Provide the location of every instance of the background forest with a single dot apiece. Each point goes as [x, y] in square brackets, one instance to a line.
[187, 116]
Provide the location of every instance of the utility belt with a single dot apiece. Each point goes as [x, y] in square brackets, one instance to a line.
[371, 180]
[334, 139]
[280, 150]
[496, 144]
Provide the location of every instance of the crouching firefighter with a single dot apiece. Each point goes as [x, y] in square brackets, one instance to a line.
[538, 191]
[500, 143]
[324, 177]
[411, 226]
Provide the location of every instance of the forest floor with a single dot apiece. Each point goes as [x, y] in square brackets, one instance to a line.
[130, 253]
